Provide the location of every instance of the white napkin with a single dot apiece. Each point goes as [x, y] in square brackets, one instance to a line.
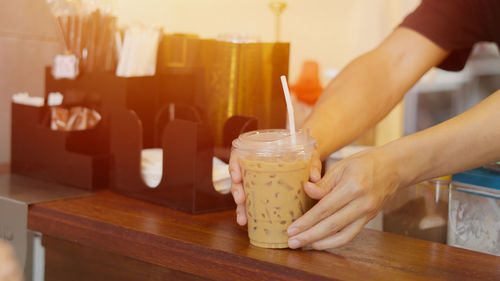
[220, 176]
[152, 169]
[26, 99]
[152, 166]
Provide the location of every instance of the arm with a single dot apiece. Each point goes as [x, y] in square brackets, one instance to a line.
[361, 95]
[464, 142]
[369, 87]
[354, 190]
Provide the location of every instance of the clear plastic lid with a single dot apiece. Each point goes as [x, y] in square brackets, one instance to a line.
[275, 141]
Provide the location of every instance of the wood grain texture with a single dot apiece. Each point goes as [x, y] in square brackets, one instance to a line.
[65, 260]
[214, 247]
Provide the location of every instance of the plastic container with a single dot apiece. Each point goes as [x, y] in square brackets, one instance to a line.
[474, 211]
[420, 211]
[275, 166]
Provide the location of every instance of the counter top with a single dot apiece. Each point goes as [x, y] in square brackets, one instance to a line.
[213, 246]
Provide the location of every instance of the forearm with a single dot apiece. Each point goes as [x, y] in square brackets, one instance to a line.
[369, 87]
[352, 103]
[464, 142]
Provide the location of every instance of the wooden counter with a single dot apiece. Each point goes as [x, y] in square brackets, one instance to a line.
[212, 246]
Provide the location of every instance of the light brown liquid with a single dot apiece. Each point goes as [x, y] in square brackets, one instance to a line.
[275, 198]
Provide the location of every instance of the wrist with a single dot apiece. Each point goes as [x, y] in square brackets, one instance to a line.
[415, 157]
[402, 161]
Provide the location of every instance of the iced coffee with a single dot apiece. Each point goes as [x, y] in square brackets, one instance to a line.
[274, 166]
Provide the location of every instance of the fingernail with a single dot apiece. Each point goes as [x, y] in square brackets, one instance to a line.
[292, 231]
[315, 174]
[293, 243]
[238, 217]
[235, 194]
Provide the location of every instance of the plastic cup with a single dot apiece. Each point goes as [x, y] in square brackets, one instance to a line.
[274, 166]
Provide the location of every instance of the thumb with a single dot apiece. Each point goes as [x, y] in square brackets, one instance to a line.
[317, 190]
[322, 187]
[315, 173]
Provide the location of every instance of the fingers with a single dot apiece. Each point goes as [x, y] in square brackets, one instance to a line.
[238, 193]
[236, 185]
[237, 188]
[234, 167]
[321, 188]
[241, 217]
[239, 197]
[337, 198]
[342, 237]
[314, 191]
[315, 174]
[324, 185]
[329, 226]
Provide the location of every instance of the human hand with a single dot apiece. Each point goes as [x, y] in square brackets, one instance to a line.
[9, 268]
[237, 186]
[352, 192]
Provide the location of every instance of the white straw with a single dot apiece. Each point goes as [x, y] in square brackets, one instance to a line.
[289, 107]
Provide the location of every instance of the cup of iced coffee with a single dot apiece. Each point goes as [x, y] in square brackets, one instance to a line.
[274, 166]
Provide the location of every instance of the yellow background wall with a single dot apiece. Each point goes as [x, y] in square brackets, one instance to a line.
[332, 32]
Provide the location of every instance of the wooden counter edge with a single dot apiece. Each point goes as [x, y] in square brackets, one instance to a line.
[164, 251]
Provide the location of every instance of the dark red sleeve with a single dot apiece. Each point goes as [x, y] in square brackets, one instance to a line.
[454, 25]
